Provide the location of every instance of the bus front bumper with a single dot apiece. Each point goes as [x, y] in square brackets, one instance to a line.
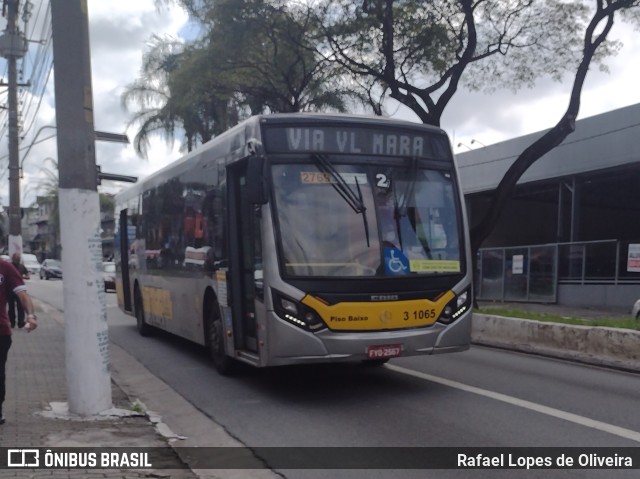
[291, 345]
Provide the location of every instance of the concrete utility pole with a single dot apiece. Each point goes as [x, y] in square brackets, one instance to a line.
[13, 45]
[86, 334]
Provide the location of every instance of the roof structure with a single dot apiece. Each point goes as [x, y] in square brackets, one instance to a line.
[599, 142]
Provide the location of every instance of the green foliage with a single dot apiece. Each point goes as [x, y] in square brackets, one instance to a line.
[254, 56]
[107, 202]
[137, 407]
[611, 322]
[367, 35]
[422, 52]
[267, 52]
[157, 110]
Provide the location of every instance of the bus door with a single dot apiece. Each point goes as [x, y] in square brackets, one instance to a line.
[245, 258]
[124, 260]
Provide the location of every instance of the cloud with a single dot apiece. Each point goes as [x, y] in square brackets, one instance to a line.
[504, 115]
[120, 30]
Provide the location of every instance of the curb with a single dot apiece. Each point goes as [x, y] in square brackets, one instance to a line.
[597, 345]
[173, 418]
[180, 422]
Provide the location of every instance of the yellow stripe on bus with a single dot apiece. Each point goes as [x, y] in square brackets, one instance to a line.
[375, 316]
[157, 302]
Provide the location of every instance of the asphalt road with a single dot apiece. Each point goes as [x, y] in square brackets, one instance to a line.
[479, 398]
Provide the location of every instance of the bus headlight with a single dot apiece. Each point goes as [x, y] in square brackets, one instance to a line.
[297, 313]
[456, 307]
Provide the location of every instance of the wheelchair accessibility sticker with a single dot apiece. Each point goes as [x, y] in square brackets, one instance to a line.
[395, 262]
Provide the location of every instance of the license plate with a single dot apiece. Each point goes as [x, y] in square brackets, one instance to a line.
[384, 351]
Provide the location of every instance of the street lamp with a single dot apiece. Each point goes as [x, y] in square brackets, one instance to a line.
[99, 136]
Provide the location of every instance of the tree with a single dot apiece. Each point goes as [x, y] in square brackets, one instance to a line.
[107, 203]
[268, 49]
[171, 93]
[595, 35]
[253, 57]
[422, 52]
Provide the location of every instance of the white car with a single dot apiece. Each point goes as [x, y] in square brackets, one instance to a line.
[635, 312]
[30, 261]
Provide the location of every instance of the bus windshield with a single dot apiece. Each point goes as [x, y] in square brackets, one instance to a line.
[406, 223]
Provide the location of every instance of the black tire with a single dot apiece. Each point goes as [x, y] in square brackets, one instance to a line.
[143, 328]
[214, 331]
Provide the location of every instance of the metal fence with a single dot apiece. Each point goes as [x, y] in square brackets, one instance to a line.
[532, 273]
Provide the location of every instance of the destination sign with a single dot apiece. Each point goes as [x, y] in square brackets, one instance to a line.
[356, 140]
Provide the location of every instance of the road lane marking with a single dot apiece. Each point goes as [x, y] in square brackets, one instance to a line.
[549, 411]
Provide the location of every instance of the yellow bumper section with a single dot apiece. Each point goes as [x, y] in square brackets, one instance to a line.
[376, 316]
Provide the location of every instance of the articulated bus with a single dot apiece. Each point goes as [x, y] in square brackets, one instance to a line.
[302, 238]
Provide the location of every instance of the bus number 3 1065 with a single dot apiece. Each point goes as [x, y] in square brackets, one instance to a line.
[420, 314]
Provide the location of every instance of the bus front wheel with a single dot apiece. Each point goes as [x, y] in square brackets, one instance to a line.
[224, 364]
[143, 327]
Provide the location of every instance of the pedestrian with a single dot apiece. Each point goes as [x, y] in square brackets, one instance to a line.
[11, 282]
[14, 302]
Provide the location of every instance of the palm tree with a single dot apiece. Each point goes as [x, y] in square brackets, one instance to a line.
[253, 57]
[151, 94]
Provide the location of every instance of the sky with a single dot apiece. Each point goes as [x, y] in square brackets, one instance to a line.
[120, 30]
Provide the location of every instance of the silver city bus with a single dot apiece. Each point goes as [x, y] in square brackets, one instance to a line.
[300, 238]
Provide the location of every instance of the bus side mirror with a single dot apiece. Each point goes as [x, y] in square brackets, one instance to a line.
[257, 190]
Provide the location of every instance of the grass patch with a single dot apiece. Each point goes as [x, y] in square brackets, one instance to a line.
[613, 322]
[137, 407]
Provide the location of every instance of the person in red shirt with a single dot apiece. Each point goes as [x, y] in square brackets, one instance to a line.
[15, 306]
[11, 282]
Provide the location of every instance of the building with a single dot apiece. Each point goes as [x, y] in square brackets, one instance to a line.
[107, 225]
[571, 231]
[46, 241]
[40, 227]
[27, 230]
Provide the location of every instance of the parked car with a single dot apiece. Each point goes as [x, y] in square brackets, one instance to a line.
[6, 257]
[635, 312]
[51, 268]
[30, 261]
[109, 274]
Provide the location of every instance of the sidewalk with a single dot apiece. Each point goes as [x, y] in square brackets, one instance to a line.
[36, 390]
[36, 383]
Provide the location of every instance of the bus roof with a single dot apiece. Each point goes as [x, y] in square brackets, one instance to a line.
[342, 117]
[233, 143]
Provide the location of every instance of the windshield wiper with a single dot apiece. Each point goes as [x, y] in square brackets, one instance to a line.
[355, 201]
[403, 209]
[400, 210]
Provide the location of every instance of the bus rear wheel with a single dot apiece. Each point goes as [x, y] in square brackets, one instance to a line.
[224, 364]
[144, 329]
